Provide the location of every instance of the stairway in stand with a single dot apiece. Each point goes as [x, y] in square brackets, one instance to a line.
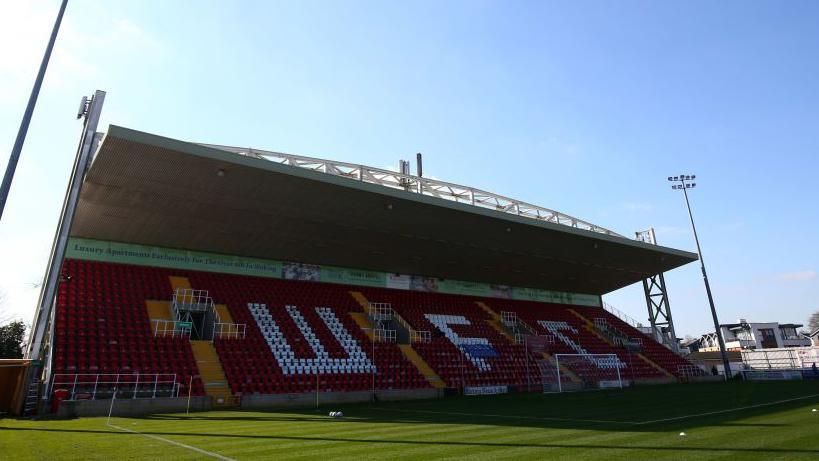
[407, 349]
[422, 366]
[589, 325]
[212, 374]
[495, 322]
[161, 310]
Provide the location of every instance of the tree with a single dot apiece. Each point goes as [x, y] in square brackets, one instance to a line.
[813, 322]
[11, 340]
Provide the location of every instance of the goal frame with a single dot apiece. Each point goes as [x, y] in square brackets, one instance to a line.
[589, 357]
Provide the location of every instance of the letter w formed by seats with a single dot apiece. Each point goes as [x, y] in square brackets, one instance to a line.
[284, 353]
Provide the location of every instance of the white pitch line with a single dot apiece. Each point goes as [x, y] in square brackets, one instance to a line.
[484, 415]
[178, 444]
[717, 412]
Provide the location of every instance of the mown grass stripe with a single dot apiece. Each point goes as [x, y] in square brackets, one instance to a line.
[172, 442]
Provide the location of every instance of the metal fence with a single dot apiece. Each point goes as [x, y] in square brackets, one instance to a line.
[105, 385]
[781, 359]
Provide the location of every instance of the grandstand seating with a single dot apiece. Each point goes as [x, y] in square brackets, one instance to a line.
[301, 336]
[102, 325]
[464, 350]
[283, 358]
[655, 351]
[573, 336]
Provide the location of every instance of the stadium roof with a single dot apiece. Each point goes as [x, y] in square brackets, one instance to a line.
[151, 190]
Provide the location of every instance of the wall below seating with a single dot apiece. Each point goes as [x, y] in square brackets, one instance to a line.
[652, 381]
[131, 407]
[255, 401]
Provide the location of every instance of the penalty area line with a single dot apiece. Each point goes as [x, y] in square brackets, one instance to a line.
[730, 410]
[178, 444]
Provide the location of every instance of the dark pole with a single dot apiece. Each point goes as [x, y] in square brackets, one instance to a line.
[32, 101]
[727, 367]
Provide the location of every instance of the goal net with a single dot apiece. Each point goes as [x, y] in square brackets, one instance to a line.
[581, 371]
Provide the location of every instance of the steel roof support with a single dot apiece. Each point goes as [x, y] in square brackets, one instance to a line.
[659, 309]
[423, 186]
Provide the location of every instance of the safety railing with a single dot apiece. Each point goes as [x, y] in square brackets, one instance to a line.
[510, 319]
[615, 335]
[224, 330]
[623, 316]
[522, 330]
[188, 299]
[415, 336]
[385, 335]
[420, 336]
[106, 385]
[380, 312]
[172, 328]
[771, 360]
[525, 327]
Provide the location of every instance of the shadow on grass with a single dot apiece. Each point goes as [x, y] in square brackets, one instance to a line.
[574, 413]
[445, 443]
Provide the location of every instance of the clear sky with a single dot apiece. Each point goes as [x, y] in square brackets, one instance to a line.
[584, 107]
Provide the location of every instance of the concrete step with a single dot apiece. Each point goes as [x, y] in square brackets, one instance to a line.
[422, 366]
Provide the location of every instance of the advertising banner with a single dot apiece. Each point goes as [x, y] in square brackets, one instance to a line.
[486, 390]
[457, 287]
[353, 276]
[398, 281]
[125, 253]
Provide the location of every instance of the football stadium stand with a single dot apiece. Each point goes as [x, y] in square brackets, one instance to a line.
[103, 328]
[235, 275]
[302, 336]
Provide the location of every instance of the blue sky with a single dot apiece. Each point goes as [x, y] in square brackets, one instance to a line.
[584, 107]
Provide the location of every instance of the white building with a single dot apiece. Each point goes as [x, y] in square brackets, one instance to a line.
[749, 336]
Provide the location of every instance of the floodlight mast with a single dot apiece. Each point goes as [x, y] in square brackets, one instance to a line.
[684, 186]
[5, 186]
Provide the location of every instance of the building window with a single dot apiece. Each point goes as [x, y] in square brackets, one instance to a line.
[768, 338]
[789, 333]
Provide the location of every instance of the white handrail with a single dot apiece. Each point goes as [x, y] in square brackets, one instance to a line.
[415, 336]
[622, 315]
[163, 327]
[150, 382]
[385, 335]
[229, 330]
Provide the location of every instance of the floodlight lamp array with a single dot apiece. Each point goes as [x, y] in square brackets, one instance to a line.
[682, 180]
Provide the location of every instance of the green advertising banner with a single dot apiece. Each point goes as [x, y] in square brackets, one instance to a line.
[126, 253]
[457, 287]
[353, 277]
[556, 297]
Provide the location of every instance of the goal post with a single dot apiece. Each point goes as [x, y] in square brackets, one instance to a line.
[587, 371]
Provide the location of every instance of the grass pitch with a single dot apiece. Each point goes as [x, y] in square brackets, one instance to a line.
[748, 421]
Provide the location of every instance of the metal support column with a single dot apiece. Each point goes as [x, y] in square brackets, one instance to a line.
[41, 343]
[659, 309]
